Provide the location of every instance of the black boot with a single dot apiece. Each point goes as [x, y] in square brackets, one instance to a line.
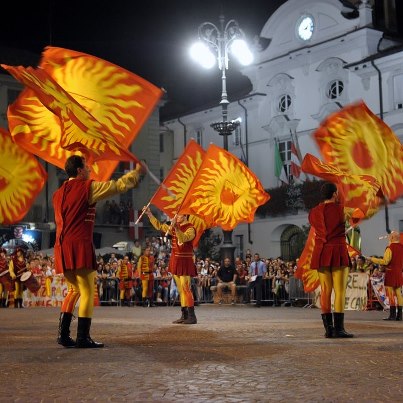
[399, 313]
[2, 303]
[16, 302]
[183, 317]
[328, 324]
[191, 319]
[20, 303]
[392, 314]
[83, 335]
[339, 332]
[63, 337]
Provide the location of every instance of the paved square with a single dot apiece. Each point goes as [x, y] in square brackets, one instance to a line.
[234, 354]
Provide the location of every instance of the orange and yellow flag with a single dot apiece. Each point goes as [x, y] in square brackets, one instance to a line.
[178, 181]
[355, 140]
[357, 191]
[21, 179]
[119, 101]
[80, 131]
[224, 191]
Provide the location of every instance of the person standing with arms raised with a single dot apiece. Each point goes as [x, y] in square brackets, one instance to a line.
[74, 206]
[181, 263]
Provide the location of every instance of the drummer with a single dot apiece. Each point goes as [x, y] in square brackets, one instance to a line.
[3, 269]
[17, 267]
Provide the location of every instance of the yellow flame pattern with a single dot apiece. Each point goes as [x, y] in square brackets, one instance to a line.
[21, 179]
[358, 191]
[178, 181]
[91, 96]
[224, 192]
[356, 141]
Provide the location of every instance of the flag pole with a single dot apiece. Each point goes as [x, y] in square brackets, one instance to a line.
[159, 183]
[387, 216]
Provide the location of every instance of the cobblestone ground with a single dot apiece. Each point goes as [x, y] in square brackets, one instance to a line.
[234, 354]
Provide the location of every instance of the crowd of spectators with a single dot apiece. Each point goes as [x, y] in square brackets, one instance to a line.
[276, 280]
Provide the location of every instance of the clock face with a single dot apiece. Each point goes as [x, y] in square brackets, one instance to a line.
[305, 27]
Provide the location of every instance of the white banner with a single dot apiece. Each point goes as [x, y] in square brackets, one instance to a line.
[356, 293]
[58, 291]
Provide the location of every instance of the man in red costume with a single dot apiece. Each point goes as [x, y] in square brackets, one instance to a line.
[17, 267]
[125, 274]
[145, 266]
[330, 257]
[5, 279]
[393, 260]
[74, 205]
[181, 263]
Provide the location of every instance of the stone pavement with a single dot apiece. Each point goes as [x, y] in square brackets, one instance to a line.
[234, 354]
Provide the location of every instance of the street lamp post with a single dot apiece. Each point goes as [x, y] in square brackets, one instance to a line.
[222, 40]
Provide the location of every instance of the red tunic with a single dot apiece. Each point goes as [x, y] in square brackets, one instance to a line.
[74, 218]
[3, 264]
[145, 266]
[125, 276]
[330, 241]
[181, 261]
[394, 272]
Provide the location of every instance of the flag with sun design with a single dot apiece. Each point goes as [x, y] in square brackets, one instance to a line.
[355, 140]
[21, 179]
[224, 191]
[178, 181]
[119, 102]
[357, 191]
[80, 131]
[309, 277]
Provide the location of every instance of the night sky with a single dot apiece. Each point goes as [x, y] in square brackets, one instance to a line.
[151, 40]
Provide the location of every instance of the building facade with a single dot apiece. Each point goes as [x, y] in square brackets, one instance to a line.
[320, 57]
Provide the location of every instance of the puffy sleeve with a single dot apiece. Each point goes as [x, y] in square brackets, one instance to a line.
[103, 190]
[387, 257]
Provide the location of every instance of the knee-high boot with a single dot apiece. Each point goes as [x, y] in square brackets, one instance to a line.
[63, 337]
[183, 317]
[191, 319]
[399, 313]
[328, 324]
[392, 314]
[83, 334]
[338, 319]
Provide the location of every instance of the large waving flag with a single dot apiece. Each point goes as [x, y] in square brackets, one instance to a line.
[178, 181]
[21, 179]
[358, 191]
[119, 101]
[355, 140]
[80, 131]
[224, 192]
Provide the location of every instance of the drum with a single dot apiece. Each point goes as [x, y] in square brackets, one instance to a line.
[7, 281]
[29, 281]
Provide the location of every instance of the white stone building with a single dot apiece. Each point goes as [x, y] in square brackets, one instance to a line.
[319, 58]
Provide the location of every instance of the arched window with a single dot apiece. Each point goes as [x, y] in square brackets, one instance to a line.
[284, 103]
[334, 89]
